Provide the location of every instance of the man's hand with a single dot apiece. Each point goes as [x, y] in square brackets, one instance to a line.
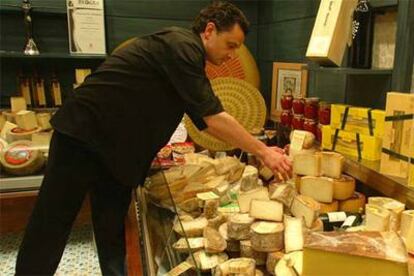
[275, 159]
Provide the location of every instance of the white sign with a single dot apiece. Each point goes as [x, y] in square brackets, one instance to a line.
[86, 23]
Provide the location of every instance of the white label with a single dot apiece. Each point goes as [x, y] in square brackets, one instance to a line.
[336, 216]
[180, 269]
[349, 221]
[207, 195]
[297, 140]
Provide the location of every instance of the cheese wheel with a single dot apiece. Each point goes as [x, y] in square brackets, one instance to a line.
[272, 259]
[21, 158]
[206, 261]
[192, 228]
[307, 164]
[247, 251]
[17, 134]
[329, 207]
[267, 236]
[306, 207]
[213, 241]
[193, 244]
[290, 265]
[354, 204]
[344, 187]
[332, 164]
[318, 188]
[293, 233]
[239, 226]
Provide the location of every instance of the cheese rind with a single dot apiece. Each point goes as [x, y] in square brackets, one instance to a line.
[307, 207]
[192, 228]
[329, 207]
[307, 164]
[272, 259]
[284, 193]
[246, 197]
[344, 187]
[266, 210]
[181, 245]
[26, 119]
[331, 164]
[238, 227]
[206, 261]
[293, 233]
[213, 241]
[247, 251]
[318, 188]
[354, 204]
[236, 266]
[267, 236]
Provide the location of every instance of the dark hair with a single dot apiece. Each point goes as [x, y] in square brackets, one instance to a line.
[223, 14]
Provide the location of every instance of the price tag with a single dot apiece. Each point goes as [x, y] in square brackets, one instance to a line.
[298, 139]
[179, 269]
[207, 195]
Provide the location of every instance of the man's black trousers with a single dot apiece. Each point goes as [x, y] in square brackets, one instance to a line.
[73, 170]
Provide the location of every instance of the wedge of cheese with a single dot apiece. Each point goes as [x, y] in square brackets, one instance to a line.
[206, 261]
[393, 206]
[344, 187]
[267, 236]
[318, 188]
[266, 210]
[307, 164]
[193, 244]
[192, 228]
[246, 197]
[284, 193]
[213, 241]
[293, 233]
[354, 253]
[306, 207]
[332, 164]
[236, 266]
[354, 204]
[377, 218]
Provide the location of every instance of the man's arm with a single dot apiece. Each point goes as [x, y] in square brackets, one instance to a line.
[224, 127]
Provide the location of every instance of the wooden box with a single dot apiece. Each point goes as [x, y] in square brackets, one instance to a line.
[397, 150]
[331, 31]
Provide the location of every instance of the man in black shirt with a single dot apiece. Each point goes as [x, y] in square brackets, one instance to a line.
[108, 133]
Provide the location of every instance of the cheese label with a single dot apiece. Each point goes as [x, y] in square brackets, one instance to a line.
[207, 196]
[336, 216]
[349, 221]
[179, 269]
[298, 139]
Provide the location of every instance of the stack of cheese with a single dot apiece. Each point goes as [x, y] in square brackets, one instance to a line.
[319, 176]
[262, 230]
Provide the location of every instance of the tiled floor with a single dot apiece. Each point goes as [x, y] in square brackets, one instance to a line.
[79, 257]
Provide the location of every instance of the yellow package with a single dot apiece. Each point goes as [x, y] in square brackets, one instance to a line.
[358, 119]
[350, 143]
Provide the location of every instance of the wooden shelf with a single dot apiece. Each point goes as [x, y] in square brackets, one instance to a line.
[15, 54]
[368, 173]
[352, 71]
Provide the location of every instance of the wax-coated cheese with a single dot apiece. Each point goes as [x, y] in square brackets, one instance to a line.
[239, 226]
[331, 164]
[318, 188]
[213, 241]
[329, 207]
[354, 204]
[246, 197]
[267, 236]
[266, 210]
[393, 206]
[377, 218]
[247, 251]
[293, 233]
[344, 187]
[307, 164]
[284, 193]
[306, 207]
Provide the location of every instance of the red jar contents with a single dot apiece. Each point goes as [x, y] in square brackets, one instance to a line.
[319, 133]
[310, 125]
[286, 101]
[297, 121]
[286, 117]
[311, 108]
[298, 105]
[324, 113]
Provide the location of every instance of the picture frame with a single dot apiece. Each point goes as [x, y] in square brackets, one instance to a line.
[287, 78]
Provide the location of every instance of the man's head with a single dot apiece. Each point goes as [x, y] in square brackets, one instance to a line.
[222, 27]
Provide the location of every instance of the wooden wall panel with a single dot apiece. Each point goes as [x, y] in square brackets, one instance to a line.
[282, 10]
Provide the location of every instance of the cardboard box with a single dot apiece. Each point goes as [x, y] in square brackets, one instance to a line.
[331, 31]
[361, 120]
[397, 150]
[368, 148]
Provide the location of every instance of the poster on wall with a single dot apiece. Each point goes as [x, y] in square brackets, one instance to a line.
[86, 23]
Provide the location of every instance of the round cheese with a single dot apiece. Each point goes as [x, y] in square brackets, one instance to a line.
[329, 207]
[267, 236]
[354, 204]
[239, 226]
[247, 251]
[21, 158]
[344, 187]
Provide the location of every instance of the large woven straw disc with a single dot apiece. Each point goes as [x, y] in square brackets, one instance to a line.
[242, 66]
[241, 100]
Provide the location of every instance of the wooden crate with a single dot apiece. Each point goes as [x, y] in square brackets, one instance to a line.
[398, 142]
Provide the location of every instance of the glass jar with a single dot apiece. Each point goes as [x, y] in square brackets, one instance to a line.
[311, 108]
[297, 121]
[324, 113]
[310, 125]
[298, 105]
[286, 117]
[286, 101]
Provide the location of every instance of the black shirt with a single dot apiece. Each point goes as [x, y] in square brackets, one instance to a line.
[130, 106]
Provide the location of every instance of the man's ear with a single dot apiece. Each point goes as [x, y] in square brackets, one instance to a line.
[209, 30]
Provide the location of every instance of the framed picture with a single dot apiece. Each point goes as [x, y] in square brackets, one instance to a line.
[288, 79]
